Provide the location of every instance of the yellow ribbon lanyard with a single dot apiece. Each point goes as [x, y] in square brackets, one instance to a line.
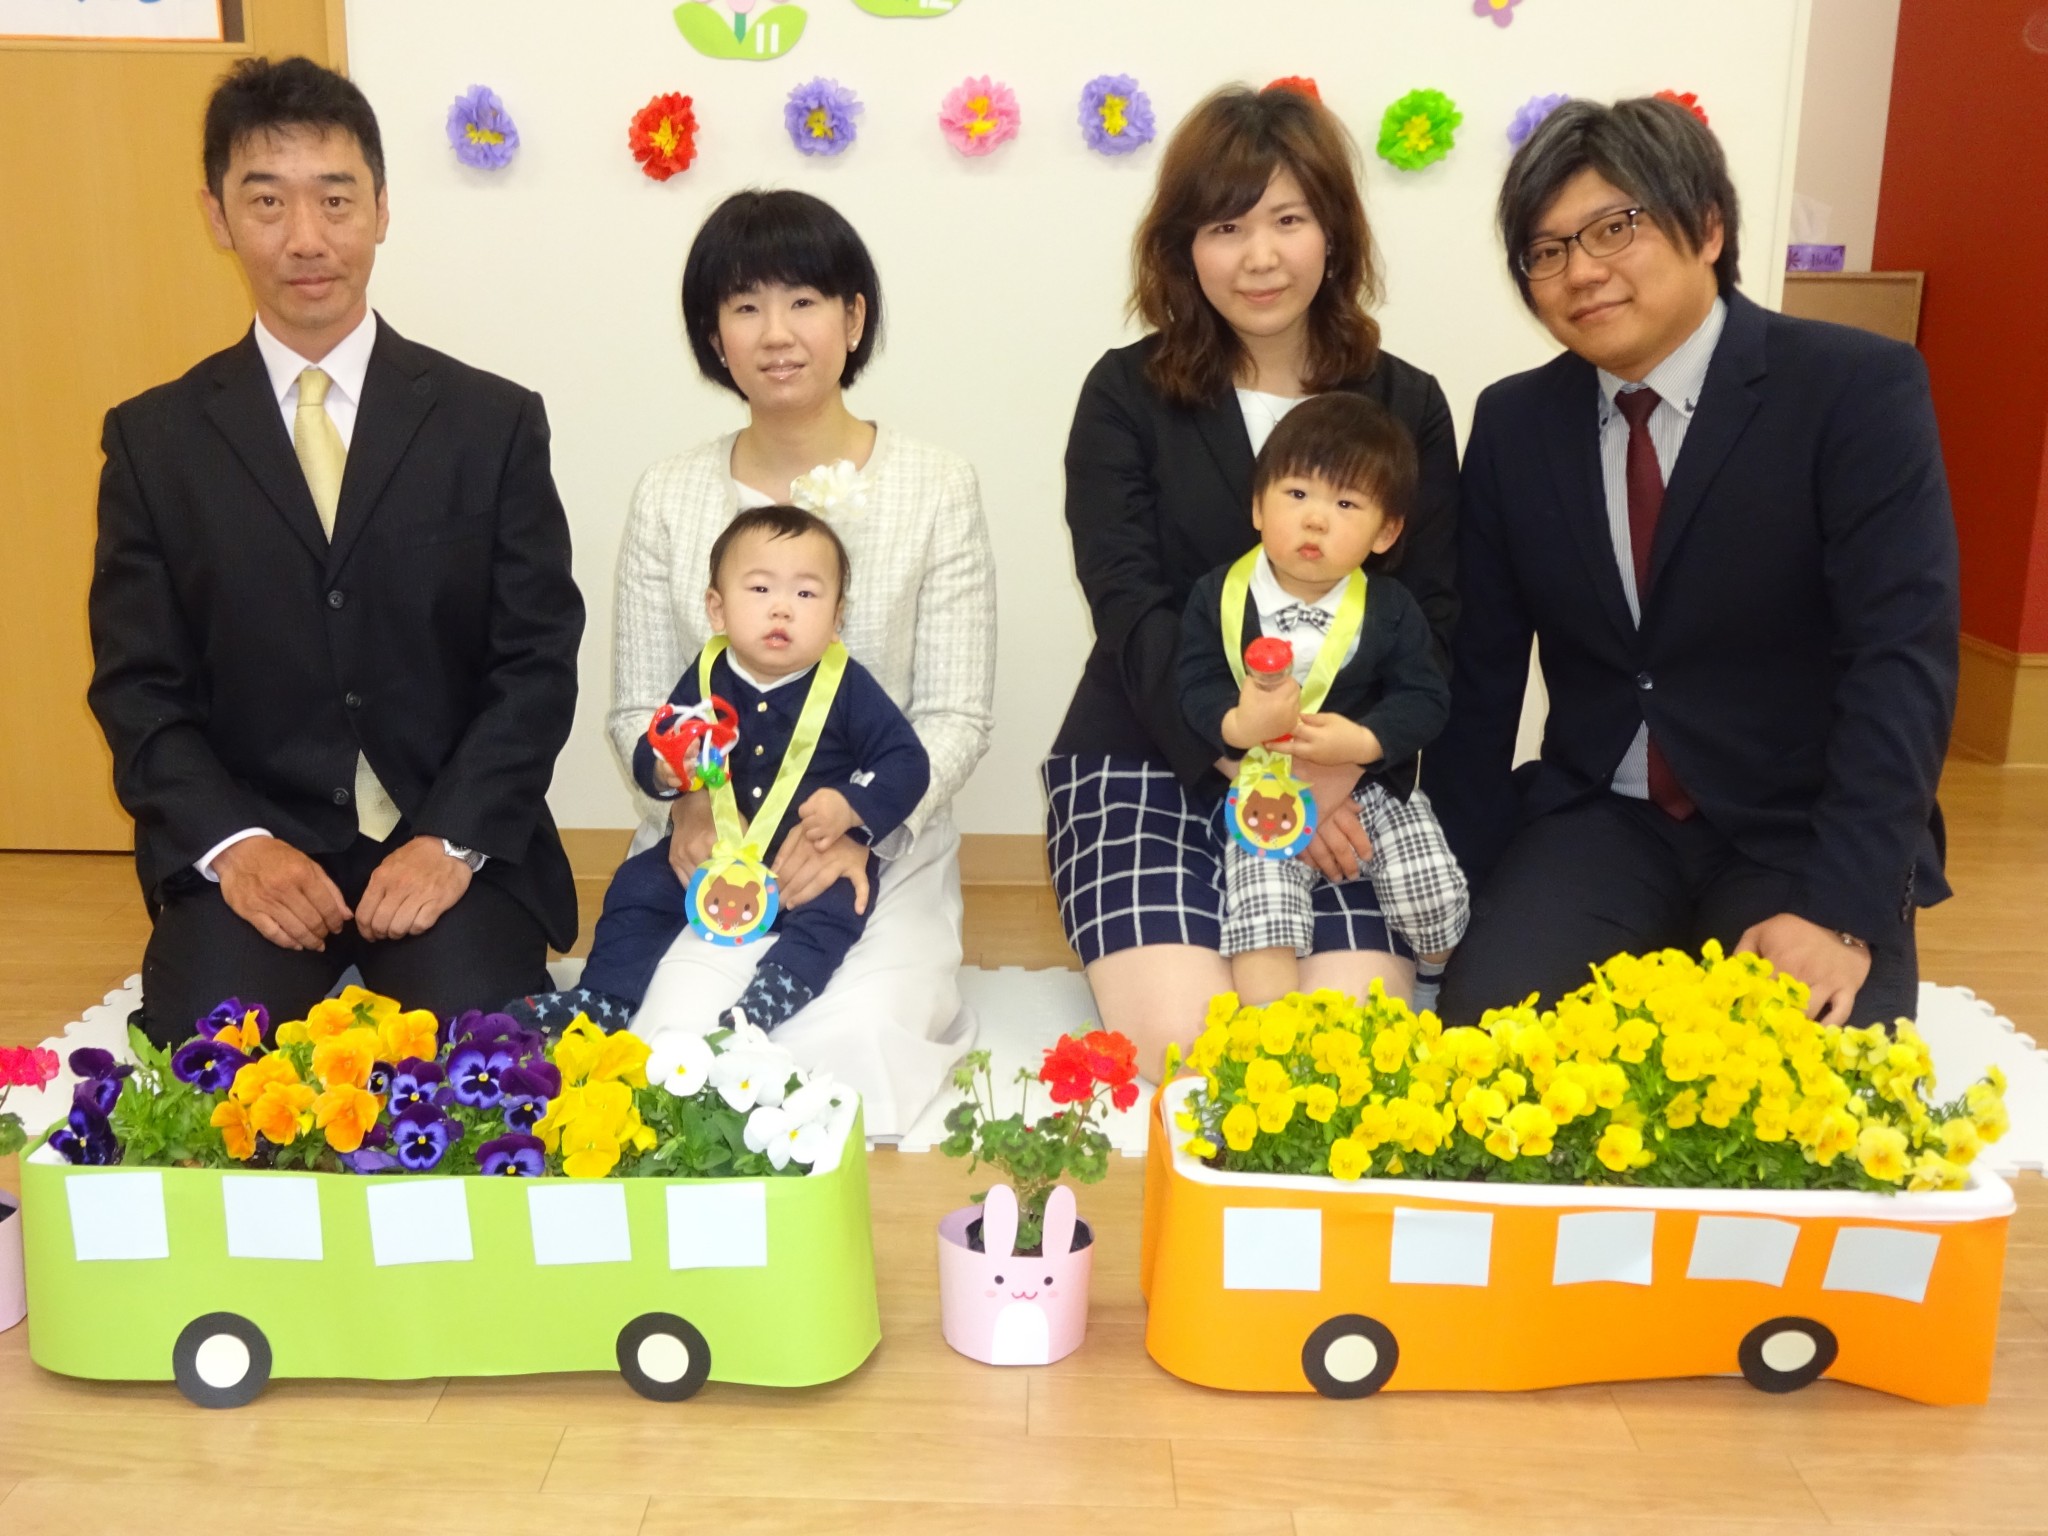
[1344, 628]
[735, 837]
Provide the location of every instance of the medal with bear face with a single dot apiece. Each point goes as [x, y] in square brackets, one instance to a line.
[732, 899]
[1269, 811]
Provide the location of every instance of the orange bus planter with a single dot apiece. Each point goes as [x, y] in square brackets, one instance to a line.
[1293, 1283]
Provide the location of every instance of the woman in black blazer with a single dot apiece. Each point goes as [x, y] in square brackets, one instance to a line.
[1254, 266]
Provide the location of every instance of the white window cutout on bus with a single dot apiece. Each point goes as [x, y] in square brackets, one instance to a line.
[1742, 1248]
[1882, 1261]
[1604, 1245]
[1441, 1247]
[718, 1226]
[1272, 1250]
[117, 1216]
[420, 1223]
[579, 1224]
[270, 1216]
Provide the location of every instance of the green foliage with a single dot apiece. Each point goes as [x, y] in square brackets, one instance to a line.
[700, 1136]
[160, 1120]
[1033, 1156]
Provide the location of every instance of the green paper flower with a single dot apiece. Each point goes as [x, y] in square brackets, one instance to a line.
[1418, 130]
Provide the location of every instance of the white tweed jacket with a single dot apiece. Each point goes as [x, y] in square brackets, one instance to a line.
[921, 613]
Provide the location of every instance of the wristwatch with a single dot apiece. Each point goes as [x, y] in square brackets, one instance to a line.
[469, 856]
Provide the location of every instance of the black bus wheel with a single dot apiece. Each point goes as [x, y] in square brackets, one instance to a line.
[663, 1358]
[221, 1361]
[1786, 1353]
[1350, 1356]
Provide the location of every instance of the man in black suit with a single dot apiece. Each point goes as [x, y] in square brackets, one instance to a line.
[1729, 533]
[334, 627]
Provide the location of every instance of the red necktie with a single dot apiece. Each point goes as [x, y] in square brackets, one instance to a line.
[1645, 501]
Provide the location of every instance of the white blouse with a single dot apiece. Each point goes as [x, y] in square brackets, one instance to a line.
[921, 613]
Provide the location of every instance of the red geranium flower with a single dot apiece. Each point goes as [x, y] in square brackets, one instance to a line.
[1111, 1057]
[1690, 101]
[1300, 83]
[663, 137]
[1066, 1069]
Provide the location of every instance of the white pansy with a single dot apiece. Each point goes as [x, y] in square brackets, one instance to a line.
[680, 1062]
[813, 1101]
[753, 1074]
[783, 1137]
[742, 1033]
[831, 490]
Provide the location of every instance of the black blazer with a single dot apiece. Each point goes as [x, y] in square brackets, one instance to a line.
[1797, 657]
[240, 662]
[1393, 686]
[1158, 495]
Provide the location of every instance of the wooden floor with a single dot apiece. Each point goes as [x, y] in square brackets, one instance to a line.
[920, 1440]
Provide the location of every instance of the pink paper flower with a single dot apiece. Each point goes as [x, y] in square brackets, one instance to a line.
[978, 114]
[1688, 100]
[1502, 11]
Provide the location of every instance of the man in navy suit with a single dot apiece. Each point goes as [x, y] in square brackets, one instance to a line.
[1729, 534]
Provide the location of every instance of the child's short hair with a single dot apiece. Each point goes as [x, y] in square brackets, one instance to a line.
[779, 523]
[1349, 441]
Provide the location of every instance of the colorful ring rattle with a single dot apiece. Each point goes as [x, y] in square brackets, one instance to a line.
[695, 742]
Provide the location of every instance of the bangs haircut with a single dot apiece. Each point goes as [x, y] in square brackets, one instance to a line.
[1656, 152]
[1217, 167]
[1350, 443]
[265, 95]
[779, 523]
[784, 237]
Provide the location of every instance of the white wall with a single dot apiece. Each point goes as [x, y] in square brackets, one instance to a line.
[1848, 100]
[1005, 278]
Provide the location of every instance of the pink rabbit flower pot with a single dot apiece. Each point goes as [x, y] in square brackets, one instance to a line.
[1005, 1309]
[13, 1291]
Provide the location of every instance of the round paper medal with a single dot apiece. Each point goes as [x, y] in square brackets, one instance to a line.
[1271, 817]
[732, 899]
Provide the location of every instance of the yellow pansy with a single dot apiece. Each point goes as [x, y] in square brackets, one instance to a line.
[1533, 1129]
[1241, 1128]
[1621, 1149]
[346, 1059]
[1471, 1050]
[1200, 1146]
[1683, 1110]
[1318, 1102]
[1565, 1100]
[1961, 1140]
[1374, 1127]
[1275, 1113]
[403, 1035]
[1390, 1049]
[1511, 1083]
[1276, 1033]
[1882, 1151]
[1933, 1171]
[1264, 1079]
[1633, 1039]
[1348, 1159]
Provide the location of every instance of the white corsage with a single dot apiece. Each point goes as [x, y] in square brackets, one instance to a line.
[832, 491]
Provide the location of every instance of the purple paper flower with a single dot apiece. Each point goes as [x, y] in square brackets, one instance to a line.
[421, 1137]
[476, 1074]
[480, 132]
[414, 1083]
[1116, 117]
[1502, 11]
[1531, 114]
[207, 1064]
[86, 1138]
[819, 116]
[517, 1156]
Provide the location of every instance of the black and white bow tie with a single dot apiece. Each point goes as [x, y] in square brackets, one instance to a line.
[1304, 616]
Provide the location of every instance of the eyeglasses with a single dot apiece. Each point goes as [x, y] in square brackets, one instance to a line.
[1608, 235]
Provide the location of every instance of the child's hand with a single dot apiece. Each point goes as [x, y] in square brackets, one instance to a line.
[1266, 709]
[695, 834]
[1333, 739]
[825, 818]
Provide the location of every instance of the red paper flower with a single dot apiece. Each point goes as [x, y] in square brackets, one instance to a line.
[1301, 83]
[663, 137]
[1690, 101]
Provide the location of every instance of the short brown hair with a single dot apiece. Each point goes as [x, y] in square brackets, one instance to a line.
[1348, 441]
[779, 523]
[1217, 167]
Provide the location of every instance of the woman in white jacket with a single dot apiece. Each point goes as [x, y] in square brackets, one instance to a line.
[782, 306]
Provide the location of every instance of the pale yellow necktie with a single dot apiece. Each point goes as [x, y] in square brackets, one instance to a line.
[322, 456]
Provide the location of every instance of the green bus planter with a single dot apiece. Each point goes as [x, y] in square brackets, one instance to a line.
[220, 1280]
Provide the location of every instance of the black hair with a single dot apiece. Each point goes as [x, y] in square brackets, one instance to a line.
[1655, 151]
[1347, 441]
[779, 522]
[783, 237]
[263, 95]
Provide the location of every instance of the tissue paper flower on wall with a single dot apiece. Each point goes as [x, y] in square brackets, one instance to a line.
[479, 130]
[819, 116]
[1530, 116]
[1689, 100]
[978, 114]
[1301, 83]
[663, 136]
[1116, 117]
[1418, 130]
[1502, 11]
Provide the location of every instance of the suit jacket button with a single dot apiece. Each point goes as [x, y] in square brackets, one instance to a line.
[353, 700]
[336, 598]
[341, 797]
[1645, 682]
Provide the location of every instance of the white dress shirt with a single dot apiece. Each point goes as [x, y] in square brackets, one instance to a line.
[1678, 381]
[1271, 598]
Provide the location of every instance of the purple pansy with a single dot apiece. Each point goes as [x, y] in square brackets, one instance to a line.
[1531, 114]
[86, 1138]
[479, 1028]
[476, 1074]
[1116, 116]
[819, 116]
[414, 1083]
[98, 1094]
[518, 1156]
[422, 1136]
[479, 130]
[91, 1061]
[528, 1088]
[368, 1160]
[207, 1064]
[229, 1014]
[379, 1080]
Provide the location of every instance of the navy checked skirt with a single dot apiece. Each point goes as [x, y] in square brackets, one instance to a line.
[1138, 860]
